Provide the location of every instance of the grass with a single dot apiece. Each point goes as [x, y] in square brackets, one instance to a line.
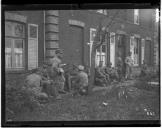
[91, 107]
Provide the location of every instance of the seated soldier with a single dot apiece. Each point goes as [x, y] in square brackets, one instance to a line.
[112, 72]
[143, 69]
[108, 71]
[33, 85]
[100, 77]
[104, 71]
[45, 82]
[81, 82]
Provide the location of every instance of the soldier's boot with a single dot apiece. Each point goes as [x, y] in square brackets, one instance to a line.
[61, 90]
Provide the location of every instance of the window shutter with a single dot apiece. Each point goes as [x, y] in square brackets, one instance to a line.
[32, 46]
[132, 46]
[112, 48]
[142, 51]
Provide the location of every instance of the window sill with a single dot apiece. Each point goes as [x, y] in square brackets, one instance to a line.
[15, 71]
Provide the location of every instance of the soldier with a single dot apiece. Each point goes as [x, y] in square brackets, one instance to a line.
[119, 67]
[143, 69]
[33, 85]
[81, 86]
[56, 60]
[60, 80]
[46, 81]
[53, 71]
[129, 63]
[100, 76]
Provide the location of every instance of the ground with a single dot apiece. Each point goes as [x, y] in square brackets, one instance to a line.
[98, 105]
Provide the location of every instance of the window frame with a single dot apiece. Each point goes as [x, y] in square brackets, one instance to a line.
[101, 54]
[92, 30]
[35, 25]
[136, 17]
[13, 38]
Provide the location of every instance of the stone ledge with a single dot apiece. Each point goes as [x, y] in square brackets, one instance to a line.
[52, 12]
[76, 23]
[15, 17]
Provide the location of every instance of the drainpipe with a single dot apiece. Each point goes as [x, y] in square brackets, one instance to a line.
[44, 16]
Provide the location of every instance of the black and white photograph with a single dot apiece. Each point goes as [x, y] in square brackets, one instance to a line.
[82, 64]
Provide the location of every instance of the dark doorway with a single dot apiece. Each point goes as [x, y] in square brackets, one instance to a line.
[121, 49]
[148, 52]
[76, 45]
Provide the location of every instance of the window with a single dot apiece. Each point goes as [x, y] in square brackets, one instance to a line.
[156, 54]
[101, 55]
[14, 45]
[134, 49]
[102, 11]
[136, 16]
[148, 52]
[100, 52]
[92, 35]
[157, 15]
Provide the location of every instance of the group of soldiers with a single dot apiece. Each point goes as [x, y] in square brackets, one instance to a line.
[105, 75]
[50, 79]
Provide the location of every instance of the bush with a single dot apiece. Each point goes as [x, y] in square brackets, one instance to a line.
[18, 100]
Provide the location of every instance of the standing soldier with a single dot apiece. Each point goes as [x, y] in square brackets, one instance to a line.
[129, 63]
[143, 69]
[53, 71]
[60, 80]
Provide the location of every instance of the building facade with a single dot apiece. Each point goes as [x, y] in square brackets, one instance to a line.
[33, 36]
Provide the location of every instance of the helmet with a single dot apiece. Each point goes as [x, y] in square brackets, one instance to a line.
[80, 67]
[61, 70]
[59, 51]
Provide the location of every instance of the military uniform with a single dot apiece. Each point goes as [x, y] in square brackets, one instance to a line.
[33, 85]
[120, 67]
[53, 70]
[100, 76]
[81, 85]
[129, 63]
